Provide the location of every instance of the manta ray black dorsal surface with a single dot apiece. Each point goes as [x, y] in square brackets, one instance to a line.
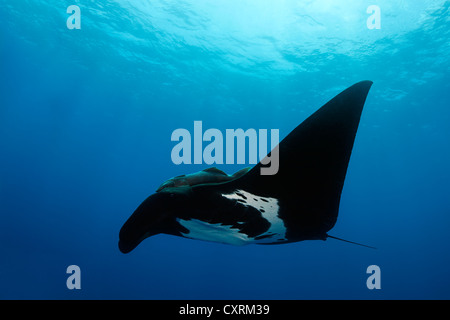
[299, 202]
[313, 161]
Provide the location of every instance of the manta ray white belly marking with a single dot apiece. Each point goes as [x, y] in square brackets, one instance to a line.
[269, 210]
[217, 232]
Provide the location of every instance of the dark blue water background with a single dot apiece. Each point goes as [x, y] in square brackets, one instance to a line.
[85, 123]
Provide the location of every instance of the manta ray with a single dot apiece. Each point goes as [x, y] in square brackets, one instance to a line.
[300, 202]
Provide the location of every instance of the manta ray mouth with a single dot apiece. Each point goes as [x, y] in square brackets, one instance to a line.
[125, 248]
[128, 246]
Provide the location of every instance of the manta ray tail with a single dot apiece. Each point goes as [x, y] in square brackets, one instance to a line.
[359, 244]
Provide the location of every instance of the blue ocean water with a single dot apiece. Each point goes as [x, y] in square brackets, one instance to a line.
[86, 118]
